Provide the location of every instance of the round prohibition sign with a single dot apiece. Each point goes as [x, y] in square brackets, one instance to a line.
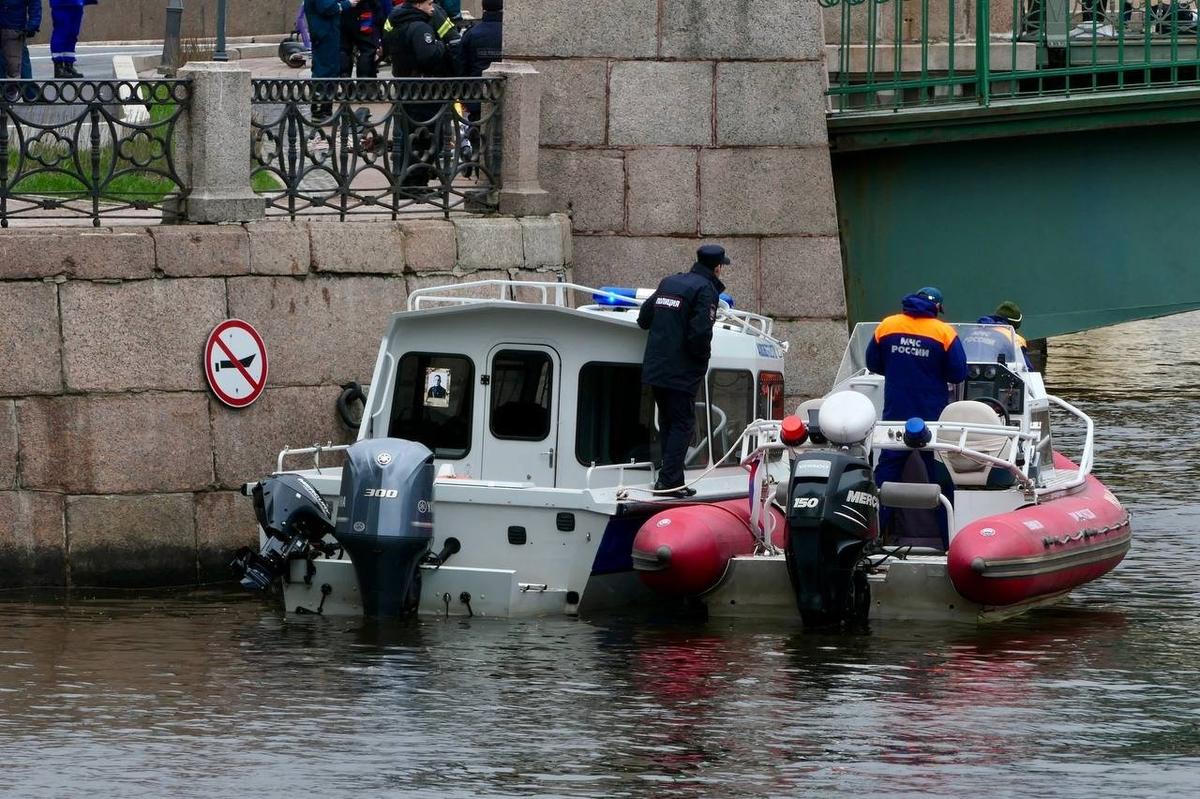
[235, 363]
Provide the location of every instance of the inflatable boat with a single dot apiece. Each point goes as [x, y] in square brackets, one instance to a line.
[1025, 527]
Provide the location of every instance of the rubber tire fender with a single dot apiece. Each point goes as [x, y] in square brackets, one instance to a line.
[351, 392]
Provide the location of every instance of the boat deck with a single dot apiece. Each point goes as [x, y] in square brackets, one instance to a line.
[1055, 479]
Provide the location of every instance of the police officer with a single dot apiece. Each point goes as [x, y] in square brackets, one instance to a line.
[67, 18]
[1009, 313]
[680, 315]
[422, 43]
[918, 355]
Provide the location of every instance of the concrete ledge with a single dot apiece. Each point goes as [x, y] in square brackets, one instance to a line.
[90, 253]
[282, 247]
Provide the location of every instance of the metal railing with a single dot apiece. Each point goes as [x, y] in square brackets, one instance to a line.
[89, 149]
[903, 53]
[381, 146]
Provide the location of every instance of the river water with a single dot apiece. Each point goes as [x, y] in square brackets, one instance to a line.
[216, 694]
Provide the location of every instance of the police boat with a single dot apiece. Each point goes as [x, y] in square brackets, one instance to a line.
[1026, 526]
[505, 458]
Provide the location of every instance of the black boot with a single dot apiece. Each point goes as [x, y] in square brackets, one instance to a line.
[62, 70]
[74, 72]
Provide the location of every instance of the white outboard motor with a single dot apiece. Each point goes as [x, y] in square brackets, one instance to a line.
[386, 521]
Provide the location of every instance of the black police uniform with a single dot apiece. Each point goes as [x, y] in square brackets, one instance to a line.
[679, 316]
[420, 46]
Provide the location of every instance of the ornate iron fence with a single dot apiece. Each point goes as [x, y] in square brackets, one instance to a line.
[894, 53]
[89, 149]
[383, 146]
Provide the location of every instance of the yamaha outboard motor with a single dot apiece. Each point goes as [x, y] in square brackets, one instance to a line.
[294, 518]
[386, 521]
[833, 515]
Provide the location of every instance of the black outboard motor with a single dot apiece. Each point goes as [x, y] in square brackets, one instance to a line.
[386, 521]
[833, 514]
[295, 519]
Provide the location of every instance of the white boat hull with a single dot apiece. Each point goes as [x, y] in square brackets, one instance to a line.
[917, 588]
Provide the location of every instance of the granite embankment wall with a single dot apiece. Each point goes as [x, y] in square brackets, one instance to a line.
[673, 123]
[117, 465]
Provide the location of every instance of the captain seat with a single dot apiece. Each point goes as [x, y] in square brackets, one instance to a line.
[966, 471]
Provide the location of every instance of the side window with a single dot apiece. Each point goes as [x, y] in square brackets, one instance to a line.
[522, 385]
[614, 422]
[432, 402]
[770, 395]
[731, 408]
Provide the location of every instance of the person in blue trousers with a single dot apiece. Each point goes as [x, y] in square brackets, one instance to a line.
[67, 18]
[325, 28]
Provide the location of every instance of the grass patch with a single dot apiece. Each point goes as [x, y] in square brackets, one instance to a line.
[263, 181]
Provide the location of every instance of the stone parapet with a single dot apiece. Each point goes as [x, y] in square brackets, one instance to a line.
[213, 147]
[117, 466]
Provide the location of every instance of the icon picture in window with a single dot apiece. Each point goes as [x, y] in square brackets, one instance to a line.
[437, 388]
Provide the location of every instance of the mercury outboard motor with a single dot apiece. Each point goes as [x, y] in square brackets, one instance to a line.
[295, 520]
[386, 521]
[833, 515]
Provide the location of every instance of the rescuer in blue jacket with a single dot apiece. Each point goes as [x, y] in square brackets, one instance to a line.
[680, 316]
[918, 355]
[67, 18]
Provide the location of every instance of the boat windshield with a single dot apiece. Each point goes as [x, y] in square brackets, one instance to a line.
[982, 344]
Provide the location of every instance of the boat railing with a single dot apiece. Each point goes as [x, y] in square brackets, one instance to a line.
[890, 435]
[559, 294]
[315, 450]
[619, 468]
[1086, 456]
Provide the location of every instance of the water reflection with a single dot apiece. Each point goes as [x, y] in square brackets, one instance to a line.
[214, 693]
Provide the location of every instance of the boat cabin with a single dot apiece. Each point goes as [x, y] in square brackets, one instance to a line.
[512, 382]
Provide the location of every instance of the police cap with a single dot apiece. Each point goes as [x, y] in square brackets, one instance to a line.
[712, 255]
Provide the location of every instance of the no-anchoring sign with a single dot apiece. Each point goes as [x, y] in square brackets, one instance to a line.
[235, 363]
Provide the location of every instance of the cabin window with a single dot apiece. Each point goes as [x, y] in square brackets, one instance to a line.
[615, 418]
[522, 383]
[432, 402]
[770, 396]
[731, 408]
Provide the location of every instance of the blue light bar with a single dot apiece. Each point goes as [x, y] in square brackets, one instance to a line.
[727, 299]
[605, 296]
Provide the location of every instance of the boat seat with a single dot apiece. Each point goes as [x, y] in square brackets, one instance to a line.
[808, 405]
[966, 471]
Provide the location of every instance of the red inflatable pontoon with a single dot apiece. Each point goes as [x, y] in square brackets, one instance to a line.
[1040, 550]
[683, 551]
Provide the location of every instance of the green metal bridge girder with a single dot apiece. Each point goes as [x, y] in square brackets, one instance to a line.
[1080, 209]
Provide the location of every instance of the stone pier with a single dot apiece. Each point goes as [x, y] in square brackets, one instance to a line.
[674, 123]
[117, 465]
